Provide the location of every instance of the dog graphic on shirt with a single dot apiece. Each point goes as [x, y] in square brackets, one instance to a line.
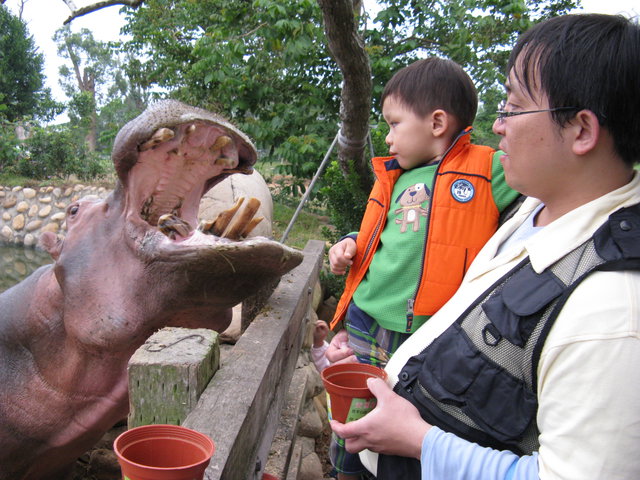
[411, 200]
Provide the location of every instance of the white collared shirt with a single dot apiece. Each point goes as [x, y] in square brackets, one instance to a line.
[589, 369]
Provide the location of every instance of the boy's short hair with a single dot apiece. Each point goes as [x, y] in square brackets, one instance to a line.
[435, 83]
[587, 61]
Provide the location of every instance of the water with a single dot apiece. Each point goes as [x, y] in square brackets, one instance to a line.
[17, 263]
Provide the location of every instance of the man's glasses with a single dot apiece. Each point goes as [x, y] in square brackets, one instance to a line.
[501, 114]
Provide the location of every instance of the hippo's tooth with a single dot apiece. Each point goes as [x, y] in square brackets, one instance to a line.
[145, 212]
[220, 224]
[191, 128]
[221, 142]
[205, 226]
[225, 162]
[161, 135]
[250, 226]
[173, 226]
[238, 226]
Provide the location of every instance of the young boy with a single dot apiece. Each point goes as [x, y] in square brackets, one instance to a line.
[435, 203]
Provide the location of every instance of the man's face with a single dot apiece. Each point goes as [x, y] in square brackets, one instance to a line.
[534, 145]
[410, 138]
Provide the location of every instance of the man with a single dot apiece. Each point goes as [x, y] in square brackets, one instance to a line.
[530, 370]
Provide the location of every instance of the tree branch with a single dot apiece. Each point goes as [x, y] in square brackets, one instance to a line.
[78, 12]
[347, 47]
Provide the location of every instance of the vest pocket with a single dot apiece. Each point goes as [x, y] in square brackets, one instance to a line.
[457, 374]
[512, 310]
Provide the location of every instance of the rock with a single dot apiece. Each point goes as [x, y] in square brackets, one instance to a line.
[18, 222]
[327, 309]
[10, 201]
[314, 381]
[310, 424]
[311, 468]
[318, 295]
[103, 464]
[320, 402]
[29, 193]
[33, 225]
[44, 211]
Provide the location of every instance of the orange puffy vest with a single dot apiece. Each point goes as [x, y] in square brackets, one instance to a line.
[462, 217]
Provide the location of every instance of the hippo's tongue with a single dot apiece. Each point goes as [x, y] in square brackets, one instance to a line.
[230, 224]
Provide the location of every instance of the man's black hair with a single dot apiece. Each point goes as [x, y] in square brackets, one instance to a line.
[588, 61]
[435, 83]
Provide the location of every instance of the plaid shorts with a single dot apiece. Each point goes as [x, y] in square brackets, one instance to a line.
[371, 344]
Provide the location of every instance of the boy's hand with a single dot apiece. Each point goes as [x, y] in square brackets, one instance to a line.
[341, 255]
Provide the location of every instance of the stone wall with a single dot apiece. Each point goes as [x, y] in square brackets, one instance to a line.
[27, 212]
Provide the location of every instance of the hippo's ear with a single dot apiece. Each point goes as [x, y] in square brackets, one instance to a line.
[50, 242]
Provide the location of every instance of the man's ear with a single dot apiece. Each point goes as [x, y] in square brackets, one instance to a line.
[586, 130]
[439, 122]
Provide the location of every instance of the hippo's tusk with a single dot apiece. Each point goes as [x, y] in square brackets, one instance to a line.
[237, 227]
[221, 142]
[161, 135]
[173, 226]
[250, 226]
[220, 224]
[225, 162]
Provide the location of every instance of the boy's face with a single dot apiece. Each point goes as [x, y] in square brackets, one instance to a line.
[410, 137]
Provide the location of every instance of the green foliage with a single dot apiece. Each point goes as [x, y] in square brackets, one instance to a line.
[333, 284]
[22, 92]
[346, 201]
[55, 152]
[477, 34]
[263, 64]
[9, 144]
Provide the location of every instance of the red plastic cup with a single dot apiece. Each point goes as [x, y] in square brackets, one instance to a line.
[348, 397]
[163, 452]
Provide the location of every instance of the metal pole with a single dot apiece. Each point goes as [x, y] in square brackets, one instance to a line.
[311, 185]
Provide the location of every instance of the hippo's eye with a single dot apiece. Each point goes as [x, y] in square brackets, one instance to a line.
[73, 209]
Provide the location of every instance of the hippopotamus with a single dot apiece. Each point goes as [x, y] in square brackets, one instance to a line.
[127, 266]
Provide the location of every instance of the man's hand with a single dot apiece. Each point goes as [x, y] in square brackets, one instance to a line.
[393, 427]
[339, 350]
[341, 255]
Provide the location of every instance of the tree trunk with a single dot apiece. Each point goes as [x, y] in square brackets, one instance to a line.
[347, 48]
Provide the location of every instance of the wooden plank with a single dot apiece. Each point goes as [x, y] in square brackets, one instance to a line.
[285, 436]
[240, 407]
[168, 374]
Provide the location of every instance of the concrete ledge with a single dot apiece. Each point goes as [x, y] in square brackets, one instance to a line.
[241, 406]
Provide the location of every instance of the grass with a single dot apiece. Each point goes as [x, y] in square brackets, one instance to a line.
[307, 226]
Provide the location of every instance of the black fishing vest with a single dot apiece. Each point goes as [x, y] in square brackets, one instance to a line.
[478, 379]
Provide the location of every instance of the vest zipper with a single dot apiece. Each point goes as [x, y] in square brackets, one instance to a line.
[411, 301]
[367, 250]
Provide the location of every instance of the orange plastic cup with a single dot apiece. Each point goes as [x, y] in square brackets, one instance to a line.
[163, 452]
[348, 397]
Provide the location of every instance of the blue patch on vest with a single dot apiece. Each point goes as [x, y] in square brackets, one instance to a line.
[462, 190]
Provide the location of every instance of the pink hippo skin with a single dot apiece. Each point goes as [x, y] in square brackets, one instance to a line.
[68, 330]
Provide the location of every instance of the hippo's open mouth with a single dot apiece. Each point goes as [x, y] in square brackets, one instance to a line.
[175, 168]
